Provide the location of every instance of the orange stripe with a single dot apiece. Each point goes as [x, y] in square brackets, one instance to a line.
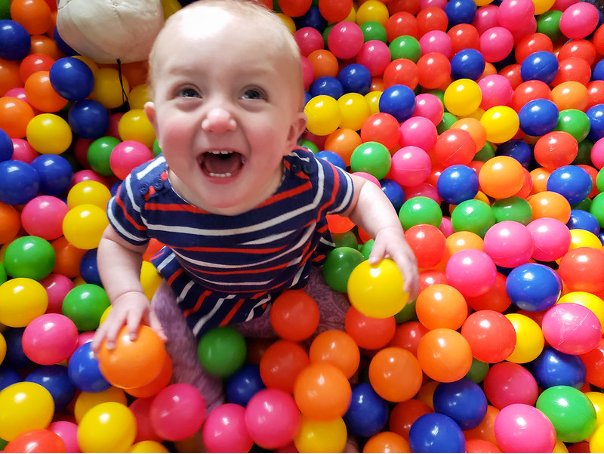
[231, 313]
[172, 207]
[175, 275]
[287, 194]
[248, 251]
[198, 304]
[254, 271]
[128, 217]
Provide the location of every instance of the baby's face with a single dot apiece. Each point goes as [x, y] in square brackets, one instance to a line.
[226, 109]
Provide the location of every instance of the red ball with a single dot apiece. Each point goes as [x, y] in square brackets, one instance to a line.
[582, 269]
[428, 244]
[381, 127]
[532, 43]
[491, 336]
[529, 90]
[455, 146]
[463, 36]
[401, 72]
[434, 70]
[294, 315]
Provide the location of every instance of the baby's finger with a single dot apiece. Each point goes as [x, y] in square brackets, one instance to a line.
[133, 322]
[155, 324]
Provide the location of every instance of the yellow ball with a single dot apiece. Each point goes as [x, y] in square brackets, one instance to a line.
[320, 436]
[2, 348]
[372, 10]
[148, 446]
[583, 238]
[83, 226]
[88, 192]
[377, 290]
[597, 400]
[529, 339]
[86, 401]
[373, 100]
[596, 441]
[134, 125]
[150, 279]
[139, 95]
[48, 133]
[104, 315]
[501, 123]
[107, 427]
[354, 109]
[21, 300]
[24, 406]
[462, 97]
[110, 88]
[323, 114]
[541, 6]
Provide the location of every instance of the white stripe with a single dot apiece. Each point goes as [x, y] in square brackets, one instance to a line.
[152, 165]
[250, 315]
[118, 227]
[208, 316]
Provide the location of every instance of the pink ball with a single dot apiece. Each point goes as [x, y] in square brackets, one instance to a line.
[50, 339]
[368, 177]
[528, 29]
[423, 4]
[486, 17]
[272, 418]
[509, 244]
[429, 106]
[515, 14]
[225, 430]
[43, 216]
[496, 43]
[140, 408]
[571, 328]
[113, 130]
[309, 39]
[551, 238]
[17, 92]
[419, 132]
[87, 175]
[561, 5]
[23, 151]
[597, 154]
[68, 432]
[308, 72]
[423, 189]
[446, 227]
[436, 41]
[510, 383]
[128, 155]
[177, 412]
[345, 40]
[471, 271]
[57, 286]
[524, 428]
[496, 91]
[579, 20]
[375, 56]
[410, 166]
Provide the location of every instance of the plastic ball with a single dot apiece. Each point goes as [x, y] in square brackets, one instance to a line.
[420, 210]
[523, 428]
[467, 64]
[596, 121]
[84, 305]
[594, 363]
[338, 348]
[368, 332]
[491, 336]
[472, 272]
[55, 379]
[71, 78]
[462, 97]
[84, 225]
[272, 418]
[500, 123]
[529, 339]
[327, 86]
[39, 440]
[368, 412]
[410, 166]
[294, 315]
[538, 117]
[25, 406]
[533, 287]
[88, 119]
[419, 132]
[474, 216]
[281, 363]
[21, 301]
[428, 244]
[434, 69]
[109, 427]
[84, 372]
[388, 367]
[135, 126]
[19, 182]
[561, 328]
[554, 368]
[50, 339]
[501, 177]
[454, 147]
[580, 269]
[222, 351]
[509, 244]
[48, 133]
[578, 21]
[371, 157]
[457, 183]
[540, 65]
[463, 401]
[381, 284]
[15, 115]
[398, 101]
[496, 43]
[571, 95]
[128, 155]
[29, 257]
[435, 432]
[345, 40]
[244, 384]
[323, 114]
[508, 383]
[55, 172]
[441, 306]
[224, 430]
[320, 436]
[551, 238]
[444, 355]
[340, 262]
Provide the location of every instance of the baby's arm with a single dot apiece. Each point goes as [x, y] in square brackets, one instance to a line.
[372, 211]
[119, 267]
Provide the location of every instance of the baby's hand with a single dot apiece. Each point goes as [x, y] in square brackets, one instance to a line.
[390, 243]
[129, 309]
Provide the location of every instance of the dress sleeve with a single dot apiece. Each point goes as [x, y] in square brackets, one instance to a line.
[125, 212]
[337, 187]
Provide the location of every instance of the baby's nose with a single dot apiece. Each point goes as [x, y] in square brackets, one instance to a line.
[218, 121]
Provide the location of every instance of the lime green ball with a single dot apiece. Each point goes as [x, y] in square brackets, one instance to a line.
[99, 153]
[405, 47]
[474, 216]
[513, 209]
[29, 256]
[222, 351]
[372, 158]
[85, 305]
[420, 210]
[574, 122]
[373, 31]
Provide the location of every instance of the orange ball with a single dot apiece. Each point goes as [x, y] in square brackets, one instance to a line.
[15, 114]
[389, 368]
[570, 95]
[475, 128]
[9, 76]
[10, 223]
[324, 63]
[68, 257]
[486, 429]
[501, 177]
[155, 385]
[40, 93]
[343, 142]
[441, 306]
[338, 348]
[133, 363]
[294, 315]
[386, 442]
[459, 241]
[281, 363]
[549, 204]
[539, 178]
[322, 392]
[34, 15]
[444, 355]
[42, 44]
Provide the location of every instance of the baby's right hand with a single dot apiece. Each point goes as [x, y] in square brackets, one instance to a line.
[129, 309]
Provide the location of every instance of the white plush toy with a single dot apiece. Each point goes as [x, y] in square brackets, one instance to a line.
[109, 30]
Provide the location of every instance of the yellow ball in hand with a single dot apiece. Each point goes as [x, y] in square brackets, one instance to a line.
[377, 290]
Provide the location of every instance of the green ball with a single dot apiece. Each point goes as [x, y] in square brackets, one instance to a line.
[346, 239]
[584, 153]
[222, 351]
[85, 305]
[309, 145]
[99, 153]
[570, 411]
[600, 180]
[513, 209]
[548, 23]
[405, 47]
[339, 264]
[474, 216]
[4, 14]
[446, 122]
[156, 149]
[372, 158]
[574, 122]
[406, 313]
[478, 371]
[487, 152]
[29, 256]
[597, 208]
[373, 31]
[420, 210]
[3, 275]
[326, 34]
[366, 248]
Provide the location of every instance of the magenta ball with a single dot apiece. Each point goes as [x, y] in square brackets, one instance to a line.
[524, 428]
[225, 430]
[375, 56]
[509, 244]
[496, 43]
[177, 412]
[87, 175]
[471, 271]
[510, 383]
[50, 339]
[410, 166]
[128, 155]
[308, 72]
[23, 151]
[419, 132]
[551, 238]
[43, 216]
[68, 432]
[486, 17]
[515, 14]
[436, 41]
[57, 286]
[309, 39]
[345, 40]
[446, 227]
[579, 20]
[597, 154]
[422, 190]
[368, 177]
[496, 91]
[571, 328]
[429, 106]
[272, 418]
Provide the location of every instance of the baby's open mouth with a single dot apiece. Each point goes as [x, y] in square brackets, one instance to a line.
[221, 164]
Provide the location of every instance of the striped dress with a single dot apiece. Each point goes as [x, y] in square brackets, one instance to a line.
[227, 269]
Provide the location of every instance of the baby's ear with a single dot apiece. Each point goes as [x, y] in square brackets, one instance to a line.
[296, 129]
[150, 112]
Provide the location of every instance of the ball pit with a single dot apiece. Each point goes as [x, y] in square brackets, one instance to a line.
[483, 123]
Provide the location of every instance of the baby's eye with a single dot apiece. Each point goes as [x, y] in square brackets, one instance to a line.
[254, 93]
[189, 93]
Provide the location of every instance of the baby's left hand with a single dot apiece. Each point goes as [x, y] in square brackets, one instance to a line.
[390, 243]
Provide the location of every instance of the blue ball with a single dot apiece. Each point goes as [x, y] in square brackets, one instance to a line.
[463, 401]
[56, 174]
[598, 72]
[457, 183]
[460, 12]
[467, 64]
[244, 384]
[19, 182]
[88, 119]
[533, 287]
[8, 376]
[435, 432]
[311, 18]
[367, 413]
[333, 157]
[6, 146]
[540, 65]
[15, 42]
[71, 78]
[62, 45]
[595, 114]
[553, 368]
[583, 220]
[15, 356]
[55, 379]
[394, 192]
[326, 85]
[355, 78]
[517, 149]
[84, 371]
[307, 97]
[89, 269]
[572, 182]
[538, 117]
[398, 101]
